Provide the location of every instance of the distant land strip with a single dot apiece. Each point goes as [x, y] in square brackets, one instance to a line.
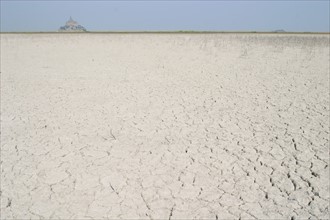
[161, 32]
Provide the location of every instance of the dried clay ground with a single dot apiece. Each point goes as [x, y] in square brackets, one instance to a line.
[164, 126]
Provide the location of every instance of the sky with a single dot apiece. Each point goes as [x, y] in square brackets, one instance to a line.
[171, 15]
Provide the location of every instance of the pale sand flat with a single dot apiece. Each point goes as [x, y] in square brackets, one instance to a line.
[139, 126]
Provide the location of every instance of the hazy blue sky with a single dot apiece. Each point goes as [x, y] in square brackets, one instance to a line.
[167, 15]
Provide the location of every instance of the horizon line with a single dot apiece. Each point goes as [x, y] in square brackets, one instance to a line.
[164, 31]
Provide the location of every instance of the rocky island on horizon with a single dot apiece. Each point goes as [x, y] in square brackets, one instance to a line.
[72, 26]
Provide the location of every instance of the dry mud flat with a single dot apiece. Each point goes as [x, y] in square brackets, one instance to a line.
[139, 126]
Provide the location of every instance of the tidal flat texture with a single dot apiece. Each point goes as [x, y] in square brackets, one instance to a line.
[165, 126]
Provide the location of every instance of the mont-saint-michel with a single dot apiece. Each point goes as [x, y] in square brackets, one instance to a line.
[72, 26]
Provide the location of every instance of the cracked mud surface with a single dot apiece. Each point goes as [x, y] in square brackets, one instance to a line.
[132, 126]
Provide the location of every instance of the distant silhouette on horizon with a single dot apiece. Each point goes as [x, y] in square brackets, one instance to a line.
[72, 26]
